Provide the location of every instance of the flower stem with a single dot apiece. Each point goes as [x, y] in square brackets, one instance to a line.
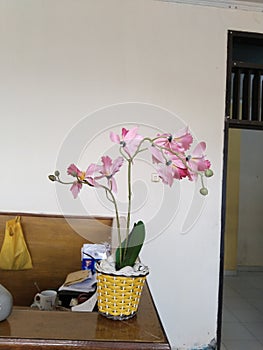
[129, 205]
[113, 200]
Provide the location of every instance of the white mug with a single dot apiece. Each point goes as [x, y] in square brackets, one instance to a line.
[46, 300]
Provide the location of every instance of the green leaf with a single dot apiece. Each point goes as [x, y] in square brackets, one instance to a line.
[131, 247]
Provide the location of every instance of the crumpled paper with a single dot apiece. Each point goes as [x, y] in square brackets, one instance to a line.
[108, 266]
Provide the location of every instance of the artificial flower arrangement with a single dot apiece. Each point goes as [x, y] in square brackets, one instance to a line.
[173, 160]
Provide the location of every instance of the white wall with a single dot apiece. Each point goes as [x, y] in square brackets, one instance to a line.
[250, 239]
[61, 61]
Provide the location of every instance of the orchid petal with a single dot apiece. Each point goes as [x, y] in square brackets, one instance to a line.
[114, 137]
[113, 185]
[179, 173]
[130, 134]
[107, 163]
[199, 150]
[166, 174]
[197, 161]
[92, 168]
[178, 162]
[182, 140]
[124, 132]
[116, 165]
[157, 155]
[75, 188]
[73, 170]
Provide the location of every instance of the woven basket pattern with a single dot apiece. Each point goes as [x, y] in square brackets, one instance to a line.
[119, 296]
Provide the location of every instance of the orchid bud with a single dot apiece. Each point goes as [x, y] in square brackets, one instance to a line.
[52, 177]
[57, 173]
[209, 173]
[204, 191]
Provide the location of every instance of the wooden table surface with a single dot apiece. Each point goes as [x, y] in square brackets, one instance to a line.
[32, 329]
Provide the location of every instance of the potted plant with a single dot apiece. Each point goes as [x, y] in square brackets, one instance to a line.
[121, 277]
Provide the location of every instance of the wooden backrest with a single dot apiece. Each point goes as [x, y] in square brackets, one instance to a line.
[54, 243]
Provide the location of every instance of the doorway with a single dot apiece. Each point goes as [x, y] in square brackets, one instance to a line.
[242, 309]
[240, 321]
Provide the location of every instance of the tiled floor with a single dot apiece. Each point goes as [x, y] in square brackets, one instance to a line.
[242, 327]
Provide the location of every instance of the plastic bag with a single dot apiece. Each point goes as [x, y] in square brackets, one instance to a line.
[14, 254]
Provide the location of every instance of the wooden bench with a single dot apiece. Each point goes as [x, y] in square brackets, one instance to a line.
[54, 247]
[54, 243]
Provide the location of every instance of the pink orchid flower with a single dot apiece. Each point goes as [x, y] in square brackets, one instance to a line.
[197, 162]
[169, 172]
[108, 169]
[74, 171]
[129, 140]
[179, 142]
[171, 168]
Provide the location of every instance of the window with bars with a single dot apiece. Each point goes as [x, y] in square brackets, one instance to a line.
[244, 103]
[246, 94]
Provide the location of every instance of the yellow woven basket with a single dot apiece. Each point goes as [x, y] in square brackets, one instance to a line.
[119, 296]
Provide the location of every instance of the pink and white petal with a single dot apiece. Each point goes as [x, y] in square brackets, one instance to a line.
[107, 163]
[199, 150]
[166, 174]
[116, 165]
[157, 156]
[129, 134]
[92, 168]
[113, 184]
[193, 164]
[75, 188]
[114, 137]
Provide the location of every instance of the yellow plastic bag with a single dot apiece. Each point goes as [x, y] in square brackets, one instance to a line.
[14, 254]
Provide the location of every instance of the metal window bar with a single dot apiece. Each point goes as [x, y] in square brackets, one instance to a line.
[236, 94]
[247, 95]
[256, 97]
